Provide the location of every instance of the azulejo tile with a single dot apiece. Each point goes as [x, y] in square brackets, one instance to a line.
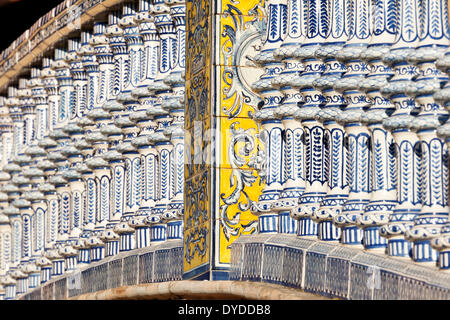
[198, 62]
[238, 38]
[293, 267]
[315, 267]
[197, 200]
[251, 268]
[197, 10]
[221, 142]
[225, 233]
[242, 6]
[234, 191]
[387, 288]
[337, 280]
[196, 247]
[198, 40]
[361, 286]
[198, 51]
[198, 148]
[272, 269]
[236, 143]
[234, 97]
[198, 97]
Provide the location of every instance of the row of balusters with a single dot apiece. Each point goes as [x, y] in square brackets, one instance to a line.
[92, 147]
[353, 124]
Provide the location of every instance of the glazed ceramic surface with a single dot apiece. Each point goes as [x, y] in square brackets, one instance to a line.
[164, 122]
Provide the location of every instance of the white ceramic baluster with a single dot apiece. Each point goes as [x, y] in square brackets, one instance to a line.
[80, 79]
[77, 195]
[131, 46]
[49, 168]
[147, 126]
[21, 281]
[148, 154]
[50, 233]
[40, 98]
[33, 273]
[384, 166]
[272, 128]
[89, 198]
[37, 199]
[117, 164]
[77, 187]
[164, 149]
[105, 58]
[135, 45]
[46, 269]
[161, 91]
[293, 153]
[101, 180]
[7, 134]
[316, 151]
[16, 234]
[15, 112]
[149, 34]
[5, 228]
[28, 111]
[117, 43]
[175, 209]
[26, 212]
[5, 232]
[338, 188]
[358, 162]
[175, 105]
[407, 143]
[61, 185]
[433, 41]
[132, 181]
[10, 287]
[442, 241]
[48, 76]
[66, 103]
[90, 64]
[37, 211]
[63, 197]
[13, 214]
[117, 167]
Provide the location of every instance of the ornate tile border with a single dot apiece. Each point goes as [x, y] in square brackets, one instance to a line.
[224, 139]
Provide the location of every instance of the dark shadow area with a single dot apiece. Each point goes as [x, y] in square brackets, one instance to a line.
[17, 17]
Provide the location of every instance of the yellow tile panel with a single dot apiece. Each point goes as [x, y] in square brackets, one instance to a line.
[244, 7]
[237, 143]
[235, 98]
[196, 247]
[238, 189]
[239, 39]
[197, 220]
[198, 97]
[197, 200]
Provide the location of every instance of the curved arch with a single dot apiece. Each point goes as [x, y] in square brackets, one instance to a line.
[191, 289]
